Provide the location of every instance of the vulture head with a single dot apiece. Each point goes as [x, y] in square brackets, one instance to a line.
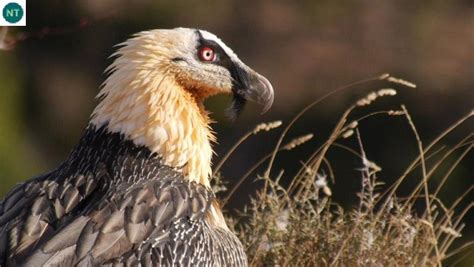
[155, 89]
[206, 66]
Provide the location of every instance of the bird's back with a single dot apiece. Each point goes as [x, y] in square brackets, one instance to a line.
[113, 202]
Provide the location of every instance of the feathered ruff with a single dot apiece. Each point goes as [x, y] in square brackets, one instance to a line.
[142, 100]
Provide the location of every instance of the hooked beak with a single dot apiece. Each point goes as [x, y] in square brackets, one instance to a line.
[260, 91]
[250, 86]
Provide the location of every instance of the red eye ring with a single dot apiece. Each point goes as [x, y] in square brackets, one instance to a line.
[206, 53]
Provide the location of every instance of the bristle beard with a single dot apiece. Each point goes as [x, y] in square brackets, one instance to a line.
[237, 106]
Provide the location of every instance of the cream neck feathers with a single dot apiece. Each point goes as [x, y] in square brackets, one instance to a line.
[146, 104]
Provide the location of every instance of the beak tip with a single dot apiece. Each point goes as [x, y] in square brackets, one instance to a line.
[267, 94]
[268, 104]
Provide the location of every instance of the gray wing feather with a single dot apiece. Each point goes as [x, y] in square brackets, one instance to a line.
[34, 210]
[121, 227]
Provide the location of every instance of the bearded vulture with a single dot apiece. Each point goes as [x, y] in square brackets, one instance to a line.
[135, 189]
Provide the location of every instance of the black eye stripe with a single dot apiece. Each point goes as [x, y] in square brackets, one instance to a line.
[220, 53]
[239, 75]
[222, 58]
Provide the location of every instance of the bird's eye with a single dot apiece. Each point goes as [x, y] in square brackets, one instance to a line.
[207, 54]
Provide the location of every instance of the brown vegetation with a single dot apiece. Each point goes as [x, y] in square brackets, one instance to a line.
[299, 225]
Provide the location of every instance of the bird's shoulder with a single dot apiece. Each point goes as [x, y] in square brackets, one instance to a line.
[38, 207]
[128, 221]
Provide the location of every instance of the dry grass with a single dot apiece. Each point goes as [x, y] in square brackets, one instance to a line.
[299, 225]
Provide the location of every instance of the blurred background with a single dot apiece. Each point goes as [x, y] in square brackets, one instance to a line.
[50, 72]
